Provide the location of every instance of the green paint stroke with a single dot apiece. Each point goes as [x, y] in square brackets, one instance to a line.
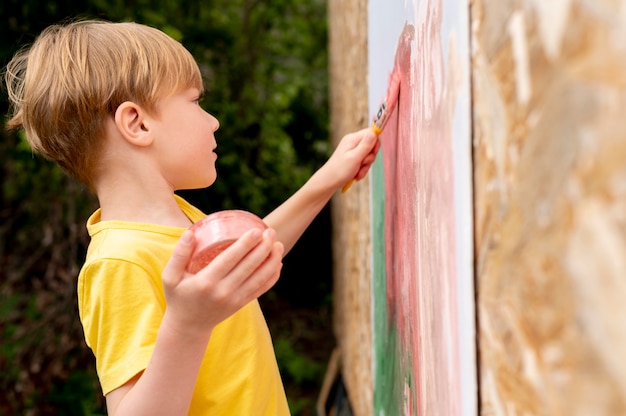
[394, 390]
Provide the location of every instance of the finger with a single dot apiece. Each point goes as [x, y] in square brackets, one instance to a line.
[265, 276]
[367, 162]
[369, 140]
[235, 264]
[227, 260]
[377, 146]
[363, 170]
[175, 268]
[366, 146]
[353, 140]
[370, 158]
[251, 262]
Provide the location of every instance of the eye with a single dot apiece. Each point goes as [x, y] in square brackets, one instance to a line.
[199, 98]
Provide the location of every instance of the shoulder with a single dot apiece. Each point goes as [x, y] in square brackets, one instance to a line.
[146, 245]
[126, 260]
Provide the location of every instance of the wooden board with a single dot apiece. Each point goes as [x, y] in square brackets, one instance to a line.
[351, 211]
[549, 95]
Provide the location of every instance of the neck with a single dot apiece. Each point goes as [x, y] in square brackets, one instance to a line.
[130, 187]
[146, 204]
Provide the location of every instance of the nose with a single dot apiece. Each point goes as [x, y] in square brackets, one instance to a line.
[215, 123]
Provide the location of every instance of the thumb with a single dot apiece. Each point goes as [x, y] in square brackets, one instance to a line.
[175, 268]
[368, 142]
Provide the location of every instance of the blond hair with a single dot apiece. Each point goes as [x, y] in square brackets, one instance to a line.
[63, 88]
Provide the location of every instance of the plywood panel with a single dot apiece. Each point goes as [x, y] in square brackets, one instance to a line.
[549, 88]
[350, 211]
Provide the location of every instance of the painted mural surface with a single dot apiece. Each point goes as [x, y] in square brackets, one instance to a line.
[423, 292]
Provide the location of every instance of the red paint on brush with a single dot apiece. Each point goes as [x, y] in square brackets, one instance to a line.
[386, 107]
[216, 232]
[389, 103]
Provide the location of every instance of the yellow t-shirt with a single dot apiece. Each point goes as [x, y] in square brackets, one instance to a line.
[121, 304]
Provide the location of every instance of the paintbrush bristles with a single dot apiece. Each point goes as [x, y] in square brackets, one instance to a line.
[390, 102]
[384, 111]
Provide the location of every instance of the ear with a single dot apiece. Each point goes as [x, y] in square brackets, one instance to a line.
[130, 120]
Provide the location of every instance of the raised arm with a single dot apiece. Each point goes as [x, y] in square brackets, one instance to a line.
[351, 160]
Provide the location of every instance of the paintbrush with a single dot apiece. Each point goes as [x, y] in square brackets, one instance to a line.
[384, 111]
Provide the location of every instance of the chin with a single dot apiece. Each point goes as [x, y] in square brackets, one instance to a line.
[207, 183]
[197, 184]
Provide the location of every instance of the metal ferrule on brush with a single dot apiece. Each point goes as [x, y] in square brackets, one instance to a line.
[381, 117]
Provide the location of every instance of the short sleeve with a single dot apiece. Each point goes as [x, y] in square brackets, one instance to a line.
[121, 307]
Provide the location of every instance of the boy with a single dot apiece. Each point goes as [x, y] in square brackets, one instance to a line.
[116, 106]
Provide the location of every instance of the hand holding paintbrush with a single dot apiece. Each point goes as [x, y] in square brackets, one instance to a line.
[385, 109]
[401, 65]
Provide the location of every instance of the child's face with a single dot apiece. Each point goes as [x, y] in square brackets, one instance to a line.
[184, 141]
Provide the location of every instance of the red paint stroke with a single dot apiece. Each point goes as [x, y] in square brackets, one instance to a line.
[419, 216]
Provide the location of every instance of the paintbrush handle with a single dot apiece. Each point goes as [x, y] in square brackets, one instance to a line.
[384, 111]
[347, 186]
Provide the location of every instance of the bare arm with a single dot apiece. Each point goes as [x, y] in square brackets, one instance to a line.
[351, 159]
[170, 377]
[195, 305]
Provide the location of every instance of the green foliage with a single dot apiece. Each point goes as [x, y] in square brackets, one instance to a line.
[42, 242]
[269, 93]
[295, 365]
[298, 368]
[76, 396]
[264, 64]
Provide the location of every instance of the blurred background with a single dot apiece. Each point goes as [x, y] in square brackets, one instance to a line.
[265, 70]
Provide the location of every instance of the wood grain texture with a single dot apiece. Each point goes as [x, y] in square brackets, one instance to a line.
[549, 96]
[350, 211]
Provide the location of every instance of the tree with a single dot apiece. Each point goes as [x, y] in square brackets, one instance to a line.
[264, 64]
